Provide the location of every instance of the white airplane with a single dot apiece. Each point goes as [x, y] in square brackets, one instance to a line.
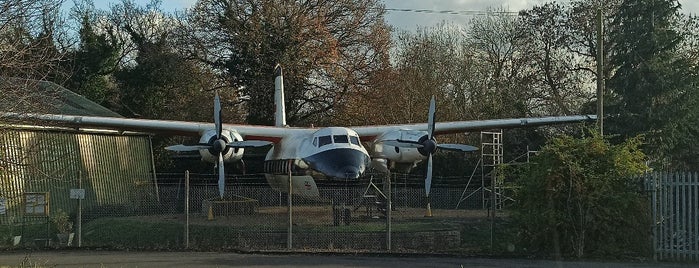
[304, 155]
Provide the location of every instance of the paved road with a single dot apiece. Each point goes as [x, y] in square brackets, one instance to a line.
[217, 259]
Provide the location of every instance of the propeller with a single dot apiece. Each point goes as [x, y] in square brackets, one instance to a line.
[218, 146]
[428, 145]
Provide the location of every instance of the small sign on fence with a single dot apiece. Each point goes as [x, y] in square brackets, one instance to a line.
[77, 193]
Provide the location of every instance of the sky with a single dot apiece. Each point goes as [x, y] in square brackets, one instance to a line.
[412, 20]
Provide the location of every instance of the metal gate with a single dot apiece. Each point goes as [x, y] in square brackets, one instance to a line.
[674, 208]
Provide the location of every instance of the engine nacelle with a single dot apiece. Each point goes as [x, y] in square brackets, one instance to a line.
[229, 154]
[385, 155]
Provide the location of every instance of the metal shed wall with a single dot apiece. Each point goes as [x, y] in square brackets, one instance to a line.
[115, 170]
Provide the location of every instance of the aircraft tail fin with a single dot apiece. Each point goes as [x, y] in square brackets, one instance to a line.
[280, 109]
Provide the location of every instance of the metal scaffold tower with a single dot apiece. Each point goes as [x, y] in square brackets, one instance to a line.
[491, 156]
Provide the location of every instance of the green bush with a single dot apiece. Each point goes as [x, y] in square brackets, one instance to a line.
[583, 197]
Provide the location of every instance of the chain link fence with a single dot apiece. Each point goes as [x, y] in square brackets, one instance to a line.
[346, 217]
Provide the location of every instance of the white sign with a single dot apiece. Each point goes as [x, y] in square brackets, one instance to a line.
[3, 206]
[77, 193]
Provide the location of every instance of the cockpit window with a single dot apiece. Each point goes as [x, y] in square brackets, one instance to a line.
[340, 139]
[315, 141]
[354, 140]
[324, 140]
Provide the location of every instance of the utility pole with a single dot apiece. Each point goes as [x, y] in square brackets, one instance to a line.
[600, 72]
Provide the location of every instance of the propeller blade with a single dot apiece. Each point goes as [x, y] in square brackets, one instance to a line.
[246, 144]
[428, 179]
[457, 147]
[187, 148]
[403, 144]
[221, 176]
[217, 115]
[431, 118]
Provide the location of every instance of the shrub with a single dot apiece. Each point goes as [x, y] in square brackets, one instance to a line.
[62, 222]
[580, 196]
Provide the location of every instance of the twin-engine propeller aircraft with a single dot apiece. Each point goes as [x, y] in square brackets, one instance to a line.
[304, 155]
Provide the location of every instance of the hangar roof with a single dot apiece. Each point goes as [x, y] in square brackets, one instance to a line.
[34, 96]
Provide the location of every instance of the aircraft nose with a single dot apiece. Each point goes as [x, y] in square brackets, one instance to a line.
[339, 163]
[350, 172]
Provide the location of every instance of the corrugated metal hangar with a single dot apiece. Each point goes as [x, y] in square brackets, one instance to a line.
[115, 169]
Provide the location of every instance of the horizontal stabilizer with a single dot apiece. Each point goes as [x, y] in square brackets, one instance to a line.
[247, 144]
[457, 147]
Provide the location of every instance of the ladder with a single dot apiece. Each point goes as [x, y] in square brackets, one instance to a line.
[491, 157]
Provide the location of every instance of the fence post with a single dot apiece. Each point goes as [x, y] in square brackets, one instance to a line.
[695, 204]
[186, 209]
[652, 187]
[683, 203]
[662, 198]
[676, 221]
[388, 212]
[290, 228]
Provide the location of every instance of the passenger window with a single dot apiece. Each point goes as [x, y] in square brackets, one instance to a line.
[340, 139]
[315, 141]
[324, 140]
[354, 140]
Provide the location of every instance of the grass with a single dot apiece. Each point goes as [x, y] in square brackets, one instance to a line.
[476, 237]
[166, 232]
[142, 233]
[29, 232]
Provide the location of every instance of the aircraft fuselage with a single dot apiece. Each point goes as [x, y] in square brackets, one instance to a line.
[333, 153]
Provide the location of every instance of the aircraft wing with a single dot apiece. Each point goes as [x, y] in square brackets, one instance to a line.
[270, 133]
[370, 132]
[169, 127]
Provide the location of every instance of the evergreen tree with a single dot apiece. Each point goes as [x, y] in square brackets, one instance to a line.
[94, 62]
[158, 82]
[654, 89]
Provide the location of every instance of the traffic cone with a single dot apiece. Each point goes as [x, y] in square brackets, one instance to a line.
[211, 213]
[428, 213]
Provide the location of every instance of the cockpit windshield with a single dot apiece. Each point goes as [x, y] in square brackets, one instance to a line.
[340, 139]
[325, 140]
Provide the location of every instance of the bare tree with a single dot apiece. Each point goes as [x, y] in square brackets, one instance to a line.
[27, 52]
[560, 83]
[328, 48]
